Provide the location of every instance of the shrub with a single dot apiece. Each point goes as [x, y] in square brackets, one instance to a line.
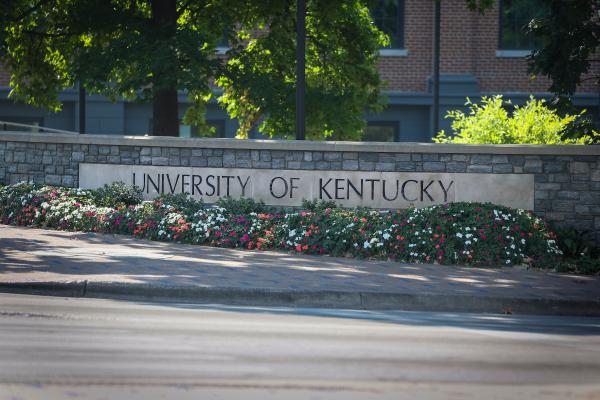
[242, 205]
[533, 123]
[117, 194]
[457, 233]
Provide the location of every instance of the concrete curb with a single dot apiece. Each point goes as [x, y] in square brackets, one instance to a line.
[306, 298]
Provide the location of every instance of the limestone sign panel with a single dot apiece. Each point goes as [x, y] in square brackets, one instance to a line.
[290, 187]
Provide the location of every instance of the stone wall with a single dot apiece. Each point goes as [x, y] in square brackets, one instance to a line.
[567, 178]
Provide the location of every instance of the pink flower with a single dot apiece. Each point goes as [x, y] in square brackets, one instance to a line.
[245, 238]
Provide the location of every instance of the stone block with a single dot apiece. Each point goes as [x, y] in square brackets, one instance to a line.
[278, 163]
[406, 166]
[432, 166]
[198, 161]
[293, 164]
[265, 155]
[456, 167]
[553, 167]
[308, 156]
[479, 168]
[533, 166]
[402, 157]
[160, 160]
[19, 156]
[579, 167]
[104, 150]
[146, 160]
[498, 159]
[77, 156]
[350, 156]
[322, 165]
[502, 168]
[332, 156]
[385, 166]
[261, 164]
[114, 160]
[254, 155]
[372, 157]
[567, 195]
[146, 151]
[430, 157]
[460, 157]
[481, 159]
[366, 165]
[317, 156]
[416, 157]
[215, 161]
[350, 165]
[228, 159]
[156, 152]
[243, 163]
[563, 205]
[68, 180]
[53, 180]
[547, 186]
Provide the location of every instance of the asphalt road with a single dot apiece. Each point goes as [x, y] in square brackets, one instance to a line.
[70, 348]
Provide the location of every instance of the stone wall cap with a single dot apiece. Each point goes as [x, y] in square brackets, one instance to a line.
[295, 145]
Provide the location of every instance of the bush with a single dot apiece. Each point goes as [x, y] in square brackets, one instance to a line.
[533, 123]
[117, 194]
[242, 205]
[458, 233]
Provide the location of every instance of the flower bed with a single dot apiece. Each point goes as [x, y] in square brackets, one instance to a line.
[457, 233]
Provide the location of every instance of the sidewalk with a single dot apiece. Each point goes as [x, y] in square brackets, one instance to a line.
[96, 265]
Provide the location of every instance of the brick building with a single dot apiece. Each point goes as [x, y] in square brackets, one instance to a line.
[480, 55]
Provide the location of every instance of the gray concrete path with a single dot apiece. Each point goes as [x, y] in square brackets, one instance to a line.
[99, 261]
[57, 348]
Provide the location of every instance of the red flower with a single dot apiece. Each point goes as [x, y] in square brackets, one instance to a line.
[298, 248]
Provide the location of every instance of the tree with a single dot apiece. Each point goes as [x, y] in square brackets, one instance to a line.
[570, 33]
[149, 49]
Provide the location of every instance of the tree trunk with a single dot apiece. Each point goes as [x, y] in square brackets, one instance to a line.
[165, 114]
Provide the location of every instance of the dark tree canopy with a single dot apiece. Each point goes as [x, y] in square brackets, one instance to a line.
[147, 50]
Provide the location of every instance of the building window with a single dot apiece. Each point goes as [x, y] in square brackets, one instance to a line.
[388, 15]
[515, 16]
[381, 132]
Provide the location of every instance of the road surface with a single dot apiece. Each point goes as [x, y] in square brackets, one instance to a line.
[72, 348]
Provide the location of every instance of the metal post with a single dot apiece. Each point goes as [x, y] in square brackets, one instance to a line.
[300, 66]
[81, 108]
[436, 69]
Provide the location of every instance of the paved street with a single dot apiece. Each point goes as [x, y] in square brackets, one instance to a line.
[56, 348]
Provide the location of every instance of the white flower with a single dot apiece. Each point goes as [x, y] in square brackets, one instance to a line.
[459, 235]
[366, 244]
[386, 236]
[467, 242]
[292, 233]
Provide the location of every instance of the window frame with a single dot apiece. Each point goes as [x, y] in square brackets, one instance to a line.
[394, 124]
[400, 21]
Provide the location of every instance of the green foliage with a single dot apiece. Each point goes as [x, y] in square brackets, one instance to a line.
[458, 233]
[117, 194]
[242, 206]
[571, 34]
[181, 202]
[318, 205]
[127, 49]
[491, 123]
[341, 78]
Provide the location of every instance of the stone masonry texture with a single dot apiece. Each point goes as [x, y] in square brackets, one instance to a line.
[567, 187]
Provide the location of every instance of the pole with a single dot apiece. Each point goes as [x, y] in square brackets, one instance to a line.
[300, 66]
[81, 108]
[436, 69]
